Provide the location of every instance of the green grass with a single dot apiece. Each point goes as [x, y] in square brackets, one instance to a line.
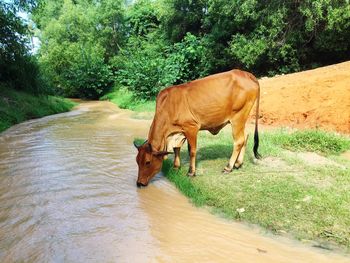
[282, 192]
[17, 106]
[313, 140]
[125, 99]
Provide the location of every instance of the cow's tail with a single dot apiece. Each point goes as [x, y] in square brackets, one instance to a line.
[256, 132]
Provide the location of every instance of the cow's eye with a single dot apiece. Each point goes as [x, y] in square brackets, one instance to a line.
[148, 162]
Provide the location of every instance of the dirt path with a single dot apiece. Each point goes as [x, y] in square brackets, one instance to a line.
[318, 98]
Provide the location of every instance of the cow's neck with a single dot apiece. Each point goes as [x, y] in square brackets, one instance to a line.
[158, 134]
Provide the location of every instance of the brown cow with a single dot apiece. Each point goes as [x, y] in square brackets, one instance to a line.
[209, 104]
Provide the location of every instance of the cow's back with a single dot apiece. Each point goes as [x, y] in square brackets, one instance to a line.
[208, 103]
[213, 100]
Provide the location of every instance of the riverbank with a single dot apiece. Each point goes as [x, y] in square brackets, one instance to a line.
[18, 106]
[125, 99]
[300, 187]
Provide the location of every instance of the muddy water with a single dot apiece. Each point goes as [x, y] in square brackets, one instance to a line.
[67, 194]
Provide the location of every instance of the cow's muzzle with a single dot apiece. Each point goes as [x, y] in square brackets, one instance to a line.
[140, 184]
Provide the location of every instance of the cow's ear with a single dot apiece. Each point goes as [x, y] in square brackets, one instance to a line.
[161, 153]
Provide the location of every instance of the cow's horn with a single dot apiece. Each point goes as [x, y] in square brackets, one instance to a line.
[137, 146]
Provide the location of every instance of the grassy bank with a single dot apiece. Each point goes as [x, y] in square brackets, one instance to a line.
[300, 187]
[125, 99]
[16, 106]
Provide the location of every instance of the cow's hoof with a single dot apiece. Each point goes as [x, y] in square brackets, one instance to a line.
[227, 170]
[191, 174]
[176, 168]
[237, 166]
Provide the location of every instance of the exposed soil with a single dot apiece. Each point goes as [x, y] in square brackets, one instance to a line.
[273, 162]
[346, 155]
[314, 159]
[318, 98]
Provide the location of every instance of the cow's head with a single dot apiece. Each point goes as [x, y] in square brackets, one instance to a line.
[149, 162]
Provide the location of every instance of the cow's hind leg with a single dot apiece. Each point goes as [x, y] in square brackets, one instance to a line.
[177, 157]
[240, 158]
[238, 122]
[238, 146]
[192, 147]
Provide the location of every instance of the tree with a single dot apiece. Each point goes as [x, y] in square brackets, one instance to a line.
[269, 37]
[78, 39]
[183, 16]
[18, 68]
[146, 45]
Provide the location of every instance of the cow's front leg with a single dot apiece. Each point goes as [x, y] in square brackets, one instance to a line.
[192, 143]
[177, 157]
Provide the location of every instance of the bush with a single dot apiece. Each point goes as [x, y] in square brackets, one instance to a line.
[78, 71]
[75, 38]
[187, 60]
[139, 67]
[148, 65]
[91, 78]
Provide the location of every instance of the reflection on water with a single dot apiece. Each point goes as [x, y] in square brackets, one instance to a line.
[67, 193]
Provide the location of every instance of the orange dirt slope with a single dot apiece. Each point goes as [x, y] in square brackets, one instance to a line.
[318, 98]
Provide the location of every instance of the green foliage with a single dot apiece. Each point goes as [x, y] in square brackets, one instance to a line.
[22, 80]
[142, 18]
[265, 37]
[121, 96]
[89, 77]
[147, 65]
[18, 69]
[187, 60]
[180, 17]
[125, 99]
[145, 45]
[139, 67]
[78, 38]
